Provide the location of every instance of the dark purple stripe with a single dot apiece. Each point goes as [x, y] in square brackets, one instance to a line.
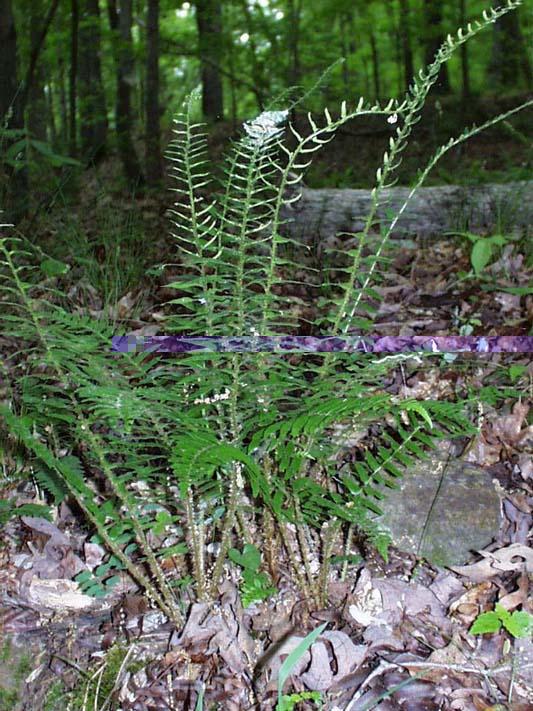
[312, 344]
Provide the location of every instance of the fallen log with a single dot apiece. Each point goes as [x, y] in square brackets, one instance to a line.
[322, 214]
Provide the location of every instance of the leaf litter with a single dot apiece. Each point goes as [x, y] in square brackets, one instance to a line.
[397, 634]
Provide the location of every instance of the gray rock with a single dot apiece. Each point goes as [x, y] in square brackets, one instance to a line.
[443, 510]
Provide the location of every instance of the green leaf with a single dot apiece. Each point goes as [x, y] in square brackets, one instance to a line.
[53, 267]
[520, 290]
[295, 655]
[9, 509]
[481, 255]
[250, 557]
[486, 623]
[54, 159]
[417, 406]
[84, 576]
[502, 613]
[516, 370]
[520, 624]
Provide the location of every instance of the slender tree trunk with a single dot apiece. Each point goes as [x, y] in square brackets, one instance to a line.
[232, 86]
[8, 62]
[348, 46]
[63, 110]
[434, 37]
[50, 118]
[35, 52]
[465, 69]
[153, 163]
[209, 23]
[405, 38]
[121, 25]
[294, 12]
[375, 65]
[260, 81]
[13, 183]
[509, 54]
[36, 109]
[92, 104]
[73, 74]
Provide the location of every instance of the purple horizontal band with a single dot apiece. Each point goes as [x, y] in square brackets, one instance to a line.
[333, 344]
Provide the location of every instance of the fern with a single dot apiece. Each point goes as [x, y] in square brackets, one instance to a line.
[209, 447]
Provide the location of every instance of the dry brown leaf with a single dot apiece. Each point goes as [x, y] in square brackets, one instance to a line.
[503, 560]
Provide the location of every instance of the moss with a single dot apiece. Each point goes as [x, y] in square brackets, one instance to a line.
[5, 652]
[15, 667]
[55, 697]
[94, 689]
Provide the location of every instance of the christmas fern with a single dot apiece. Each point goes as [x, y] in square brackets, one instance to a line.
[184, 460]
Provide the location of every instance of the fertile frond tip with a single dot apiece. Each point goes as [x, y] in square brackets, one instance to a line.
[265, 126]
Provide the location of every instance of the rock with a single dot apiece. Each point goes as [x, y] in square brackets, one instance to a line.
[443, 510]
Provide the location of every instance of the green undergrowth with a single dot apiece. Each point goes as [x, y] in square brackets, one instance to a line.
[185, 464]
[98, 687]
[14, 667]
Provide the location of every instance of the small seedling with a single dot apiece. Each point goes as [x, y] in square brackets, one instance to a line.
[256, 584]
[289, 663]
[483, 248]
[288, 703]
[518, 624]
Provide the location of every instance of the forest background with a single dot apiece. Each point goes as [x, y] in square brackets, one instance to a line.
[86, 80]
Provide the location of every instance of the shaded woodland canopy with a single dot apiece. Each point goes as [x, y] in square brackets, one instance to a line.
[80, 79]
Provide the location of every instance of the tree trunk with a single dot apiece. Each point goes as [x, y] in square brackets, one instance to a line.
[209, 23]
[72, 77]
[13, 183]
[8, 62]
[405, 36]
[36, 109]
[375, 65]
[63, 110]
[51, 119]
[36, 45]
[348, 47]
[509, 54]
[260, 81]
[120, 22]
[92, 105]
[153, 163]
[434, 37]
[294, 12]
[465, 69]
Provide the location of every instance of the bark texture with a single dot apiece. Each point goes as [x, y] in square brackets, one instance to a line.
[209, 22]
[153, 162]
[320, 215]
[92, 105]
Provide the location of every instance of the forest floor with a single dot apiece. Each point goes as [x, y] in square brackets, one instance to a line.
[398, 631]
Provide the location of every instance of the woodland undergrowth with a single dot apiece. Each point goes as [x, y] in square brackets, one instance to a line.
[179, 464]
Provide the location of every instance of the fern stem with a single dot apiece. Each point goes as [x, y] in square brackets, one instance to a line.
[330, 530]
[295, 564]
[305, 553]
[347, 549]
[229, 522]
[196, 536]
